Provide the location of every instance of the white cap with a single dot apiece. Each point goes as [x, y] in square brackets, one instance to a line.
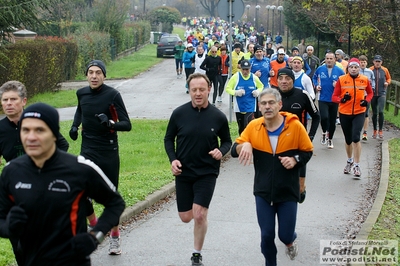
[189, 45]
[281, 51]
[222, 41]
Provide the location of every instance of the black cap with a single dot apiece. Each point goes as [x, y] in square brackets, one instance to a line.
[286, 71]
[245, 64]
[97, 63]
[237, 45]
[295, 49]
[46, 113]
[378, 58]
[258, 48]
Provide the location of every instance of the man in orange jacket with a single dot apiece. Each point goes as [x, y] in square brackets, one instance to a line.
[353, 92]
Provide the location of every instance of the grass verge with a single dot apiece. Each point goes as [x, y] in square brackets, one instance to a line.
[387, 226]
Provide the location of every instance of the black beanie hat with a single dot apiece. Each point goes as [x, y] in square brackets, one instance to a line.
[97, 63]
[286, 71]
[46, 113]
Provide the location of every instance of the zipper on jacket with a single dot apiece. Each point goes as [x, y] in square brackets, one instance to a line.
[354, 95]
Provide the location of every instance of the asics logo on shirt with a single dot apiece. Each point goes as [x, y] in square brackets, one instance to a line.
[21, 185]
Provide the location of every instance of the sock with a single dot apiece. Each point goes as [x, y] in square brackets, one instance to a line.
[196, 251]
[93, 222]
[356, 164]
[114, 234]
[350, 160]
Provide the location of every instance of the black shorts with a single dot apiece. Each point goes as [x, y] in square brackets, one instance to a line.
[197, 190]
[107, 160]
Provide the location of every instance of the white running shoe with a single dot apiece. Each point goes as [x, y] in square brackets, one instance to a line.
[292, 251]
[115, 246]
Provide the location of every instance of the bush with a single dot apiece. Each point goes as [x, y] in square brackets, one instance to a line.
[91, 45]
[40, 64]
[133, 35]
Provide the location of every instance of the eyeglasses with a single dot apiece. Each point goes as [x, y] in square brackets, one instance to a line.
[213, 52]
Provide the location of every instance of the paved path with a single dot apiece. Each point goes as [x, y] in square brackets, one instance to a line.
[233, 236]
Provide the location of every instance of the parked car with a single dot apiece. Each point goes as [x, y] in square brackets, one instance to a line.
[166, 44]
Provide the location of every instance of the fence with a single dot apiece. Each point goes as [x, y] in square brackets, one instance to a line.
[393, 97]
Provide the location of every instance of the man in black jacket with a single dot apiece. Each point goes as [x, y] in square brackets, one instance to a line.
[43, 197]
[13, 96]
[194, 132]
[298, 102]
[102, 113]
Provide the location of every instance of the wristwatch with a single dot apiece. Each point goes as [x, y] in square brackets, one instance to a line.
[112, 123]
[297, 158]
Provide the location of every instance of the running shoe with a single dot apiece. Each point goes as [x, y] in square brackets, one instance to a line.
[219, 99]
[323, 139]
[292, 251]
[357, 171]
[337, 121]
[330, 144]
[374, 134]
[115, 246]
[197, 259]
[347, 168]
[364, 136]
[380, 133]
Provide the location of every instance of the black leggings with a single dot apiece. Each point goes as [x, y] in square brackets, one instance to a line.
[214, 81]
[377, 104]
[222, 84]
[328, 112]
[351, 127]
[108, 161]
[243, 119]
[188, 72]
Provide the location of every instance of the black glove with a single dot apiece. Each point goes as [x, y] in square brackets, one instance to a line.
[84, 244]
[302, 196]
[104, 120]
[73, 133]
[16, 221]
[363, 103]
[346, 98]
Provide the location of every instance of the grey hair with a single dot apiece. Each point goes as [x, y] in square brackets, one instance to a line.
[271, 91]
[14, 85]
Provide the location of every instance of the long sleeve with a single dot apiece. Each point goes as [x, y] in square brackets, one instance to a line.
[123, 123]
[230, 87]
[78, 114]
[204, 64]
[312, 109]
[62, 143]
[336, 96]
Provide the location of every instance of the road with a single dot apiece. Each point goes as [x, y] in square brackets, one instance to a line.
[331, 210]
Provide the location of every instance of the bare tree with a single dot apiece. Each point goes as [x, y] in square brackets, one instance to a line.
[210, 6]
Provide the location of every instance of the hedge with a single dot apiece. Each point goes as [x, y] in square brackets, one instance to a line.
[91, 45]
[40, 64]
